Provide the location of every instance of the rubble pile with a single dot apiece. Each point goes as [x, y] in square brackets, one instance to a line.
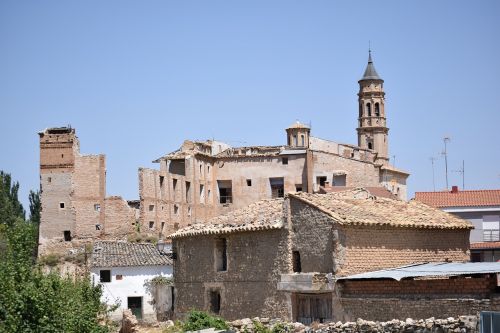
[462, 324]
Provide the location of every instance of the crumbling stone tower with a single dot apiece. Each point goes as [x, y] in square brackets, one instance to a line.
[372, 128]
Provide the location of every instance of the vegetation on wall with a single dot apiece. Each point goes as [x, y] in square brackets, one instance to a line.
[31, 301]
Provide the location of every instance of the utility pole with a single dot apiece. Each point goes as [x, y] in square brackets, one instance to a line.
[433, 178]
[445, 153]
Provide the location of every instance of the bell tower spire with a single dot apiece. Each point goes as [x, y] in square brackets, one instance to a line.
[372, 128]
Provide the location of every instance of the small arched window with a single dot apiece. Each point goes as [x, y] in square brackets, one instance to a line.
[360, 110]
[368, 109]
[295, 141]
[302, 140]
[370, 146]
[377, 110]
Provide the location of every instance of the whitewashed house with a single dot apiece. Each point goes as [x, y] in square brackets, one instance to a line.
[123, 270]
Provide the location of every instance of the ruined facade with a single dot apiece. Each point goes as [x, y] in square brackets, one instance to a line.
[204, 179]
[73, 194]
[274, 257]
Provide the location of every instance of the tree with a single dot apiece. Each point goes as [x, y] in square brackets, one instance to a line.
[35, 207]
[10, 206]
[30, 300]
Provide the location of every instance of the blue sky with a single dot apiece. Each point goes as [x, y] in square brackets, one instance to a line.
[136, 78]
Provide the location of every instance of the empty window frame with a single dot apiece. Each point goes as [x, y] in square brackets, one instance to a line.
[368, 109]
[151, 208]
[249, 182]
[188, 191]
[151, 224]
[67, 235]
[62, 205]
[298, 187]
[49, 180]
[221, 254]
[339, 180]
[321, 180]
[225, 191]
[302, 140]
[97, 207]
[215, 301]
[297, 267]
[162, 187]
[176, 209]
[284, 160]
[277, 187]
[105, 275]
[202, 193]
[162, 225]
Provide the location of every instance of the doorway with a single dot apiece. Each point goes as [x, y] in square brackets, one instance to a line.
[135, 305]
[313, 307]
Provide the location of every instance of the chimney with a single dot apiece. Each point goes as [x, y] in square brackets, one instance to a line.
[454, 189]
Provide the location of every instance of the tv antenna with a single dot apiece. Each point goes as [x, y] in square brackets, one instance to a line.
[462, 172]
[446, 139]
[433, 177]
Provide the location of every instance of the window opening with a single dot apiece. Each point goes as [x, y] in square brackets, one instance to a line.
[67, 235]
[151, 208]
[370, 145]
[303, 140]
[97, 207]
[162, 186]
[249, 182]
[297, 268]
[61, 205]
[176, 226]
[202, 193]
[215, 301]
[105, 275]
[295, 140]
[321, 180]
[298, 188]
[284, 160]
[119, 277]
[188, 192]
[377, 110]
[97, 227]
[369, 109]
[176, 209]
[162, 225]
[221, 254]
[277, 187]
[49, 179]
[225, 191]
[151, 224]
[339, 180]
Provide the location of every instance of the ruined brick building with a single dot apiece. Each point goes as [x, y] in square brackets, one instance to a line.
[282, 258]
[202, 180]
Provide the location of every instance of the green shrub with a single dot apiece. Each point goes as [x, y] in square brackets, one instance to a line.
[198, 320]
[50, 260]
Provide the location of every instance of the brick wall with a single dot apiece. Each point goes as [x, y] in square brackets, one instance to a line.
[476, 287]
[371, 248]
[254, 263]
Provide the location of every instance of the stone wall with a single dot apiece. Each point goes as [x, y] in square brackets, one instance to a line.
[254, 263]
[120, 218]
[371, 248]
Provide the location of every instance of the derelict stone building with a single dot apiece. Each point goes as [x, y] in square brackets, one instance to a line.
[276, 257]
[202, 180]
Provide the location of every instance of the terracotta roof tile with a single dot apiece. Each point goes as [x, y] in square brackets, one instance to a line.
[460, 199]
[380, 191]
[359, 207]
[485, 245]
[119, 254]
[261, 215]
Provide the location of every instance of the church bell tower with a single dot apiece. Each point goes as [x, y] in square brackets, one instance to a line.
[372, 128]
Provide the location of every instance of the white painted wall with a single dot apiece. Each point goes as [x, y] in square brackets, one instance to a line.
[132, 285]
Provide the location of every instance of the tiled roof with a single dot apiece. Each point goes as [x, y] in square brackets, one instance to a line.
[380, 192]
[471, 198]
[261, 215]
[485, 245]
[359, 207]
[119, 254]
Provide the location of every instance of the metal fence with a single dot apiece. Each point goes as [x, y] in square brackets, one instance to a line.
[491, 235]
[490, 322]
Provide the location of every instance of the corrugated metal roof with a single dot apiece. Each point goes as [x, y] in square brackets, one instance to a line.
[429, 269]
